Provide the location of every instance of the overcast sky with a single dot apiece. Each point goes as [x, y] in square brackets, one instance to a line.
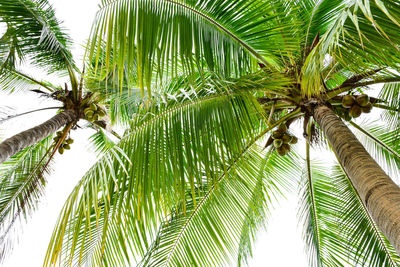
[280, 246]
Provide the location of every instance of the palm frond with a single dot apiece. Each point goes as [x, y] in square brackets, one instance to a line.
[340, 231]
[228, 37]
[364, 36]
[15, 80]
[383, 145]
[101, 142]
[356, 232]
[167, 150]
[33, 32]
[390, 93]
[314, 233]
[226, 216]
[21, 186]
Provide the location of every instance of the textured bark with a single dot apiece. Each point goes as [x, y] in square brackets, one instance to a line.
[14, 144]
[377, 190]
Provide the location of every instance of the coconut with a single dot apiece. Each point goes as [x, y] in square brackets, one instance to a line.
[276, 135]
[278, 143]
[70, 141]
[67, 146]
[362, 100]
[281, 151]
[286, 138]
[89, 113]
[367, 108]
[348, 101]
[355, 111]
[286, 147]
[282, 128]
[101, 112]
[61, 150]
[93, 106]
[294, 140]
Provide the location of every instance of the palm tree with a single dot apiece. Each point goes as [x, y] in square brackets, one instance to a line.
[223, 85]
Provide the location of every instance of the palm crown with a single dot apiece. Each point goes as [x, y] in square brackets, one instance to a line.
[209, 143]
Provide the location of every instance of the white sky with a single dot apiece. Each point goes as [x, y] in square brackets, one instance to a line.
[280, 246]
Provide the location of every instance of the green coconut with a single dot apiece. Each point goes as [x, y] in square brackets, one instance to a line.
[287, 138]
[286, 147]
[278, 143]
[70, 141]
[282, 128]
[294, 140]
[61, 150]
[348, 101]
[367, 108]
[276, 135]
[101, 112]
[362, 100]
[355, 111]
[281, 151]
[89, 113]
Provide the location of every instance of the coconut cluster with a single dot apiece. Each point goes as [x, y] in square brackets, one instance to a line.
[283, 140]
[66, 145]
[94, 112]
[355, 105]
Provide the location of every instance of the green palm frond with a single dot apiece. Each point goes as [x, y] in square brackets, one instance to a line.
[101, 141]
[356, 232]
[340, 231]
[364, 36]
[225, 216]
[229, 38]
[383, 144]
[390, 93]
[21, 186]
[35, 33]
[313, 190]
[15, 80]
[167, 150]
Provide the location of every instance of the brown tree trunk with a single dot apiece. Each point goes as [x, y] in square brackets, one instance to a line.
[379, 193]
[14, 144]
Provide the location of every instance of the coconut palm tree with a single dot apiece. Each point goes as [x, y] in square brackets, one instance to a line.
[212, 142]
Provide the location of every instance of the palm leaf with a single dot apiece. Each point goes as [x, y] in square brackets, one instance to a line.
[168, 149]
[35, 33]
[21, 186]
[226, 216]
[340, 231]
[143, 35]
[362, 37]
[382, 143]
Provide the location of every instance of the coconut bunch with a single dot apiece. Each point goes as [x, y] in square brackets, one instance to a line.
[94, 112]
[282, 140]
[355, 105]
[66, 144]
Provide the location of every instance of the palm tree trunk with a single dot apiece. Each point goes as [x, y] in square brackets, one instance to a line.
[379, 193]
[14, 144]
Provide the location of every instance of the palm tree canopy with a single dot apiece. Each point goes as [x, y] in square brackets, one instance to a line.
[202, 90]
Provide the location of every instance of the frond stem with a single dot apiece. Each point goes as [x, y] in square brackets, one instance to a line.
[25, 113]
